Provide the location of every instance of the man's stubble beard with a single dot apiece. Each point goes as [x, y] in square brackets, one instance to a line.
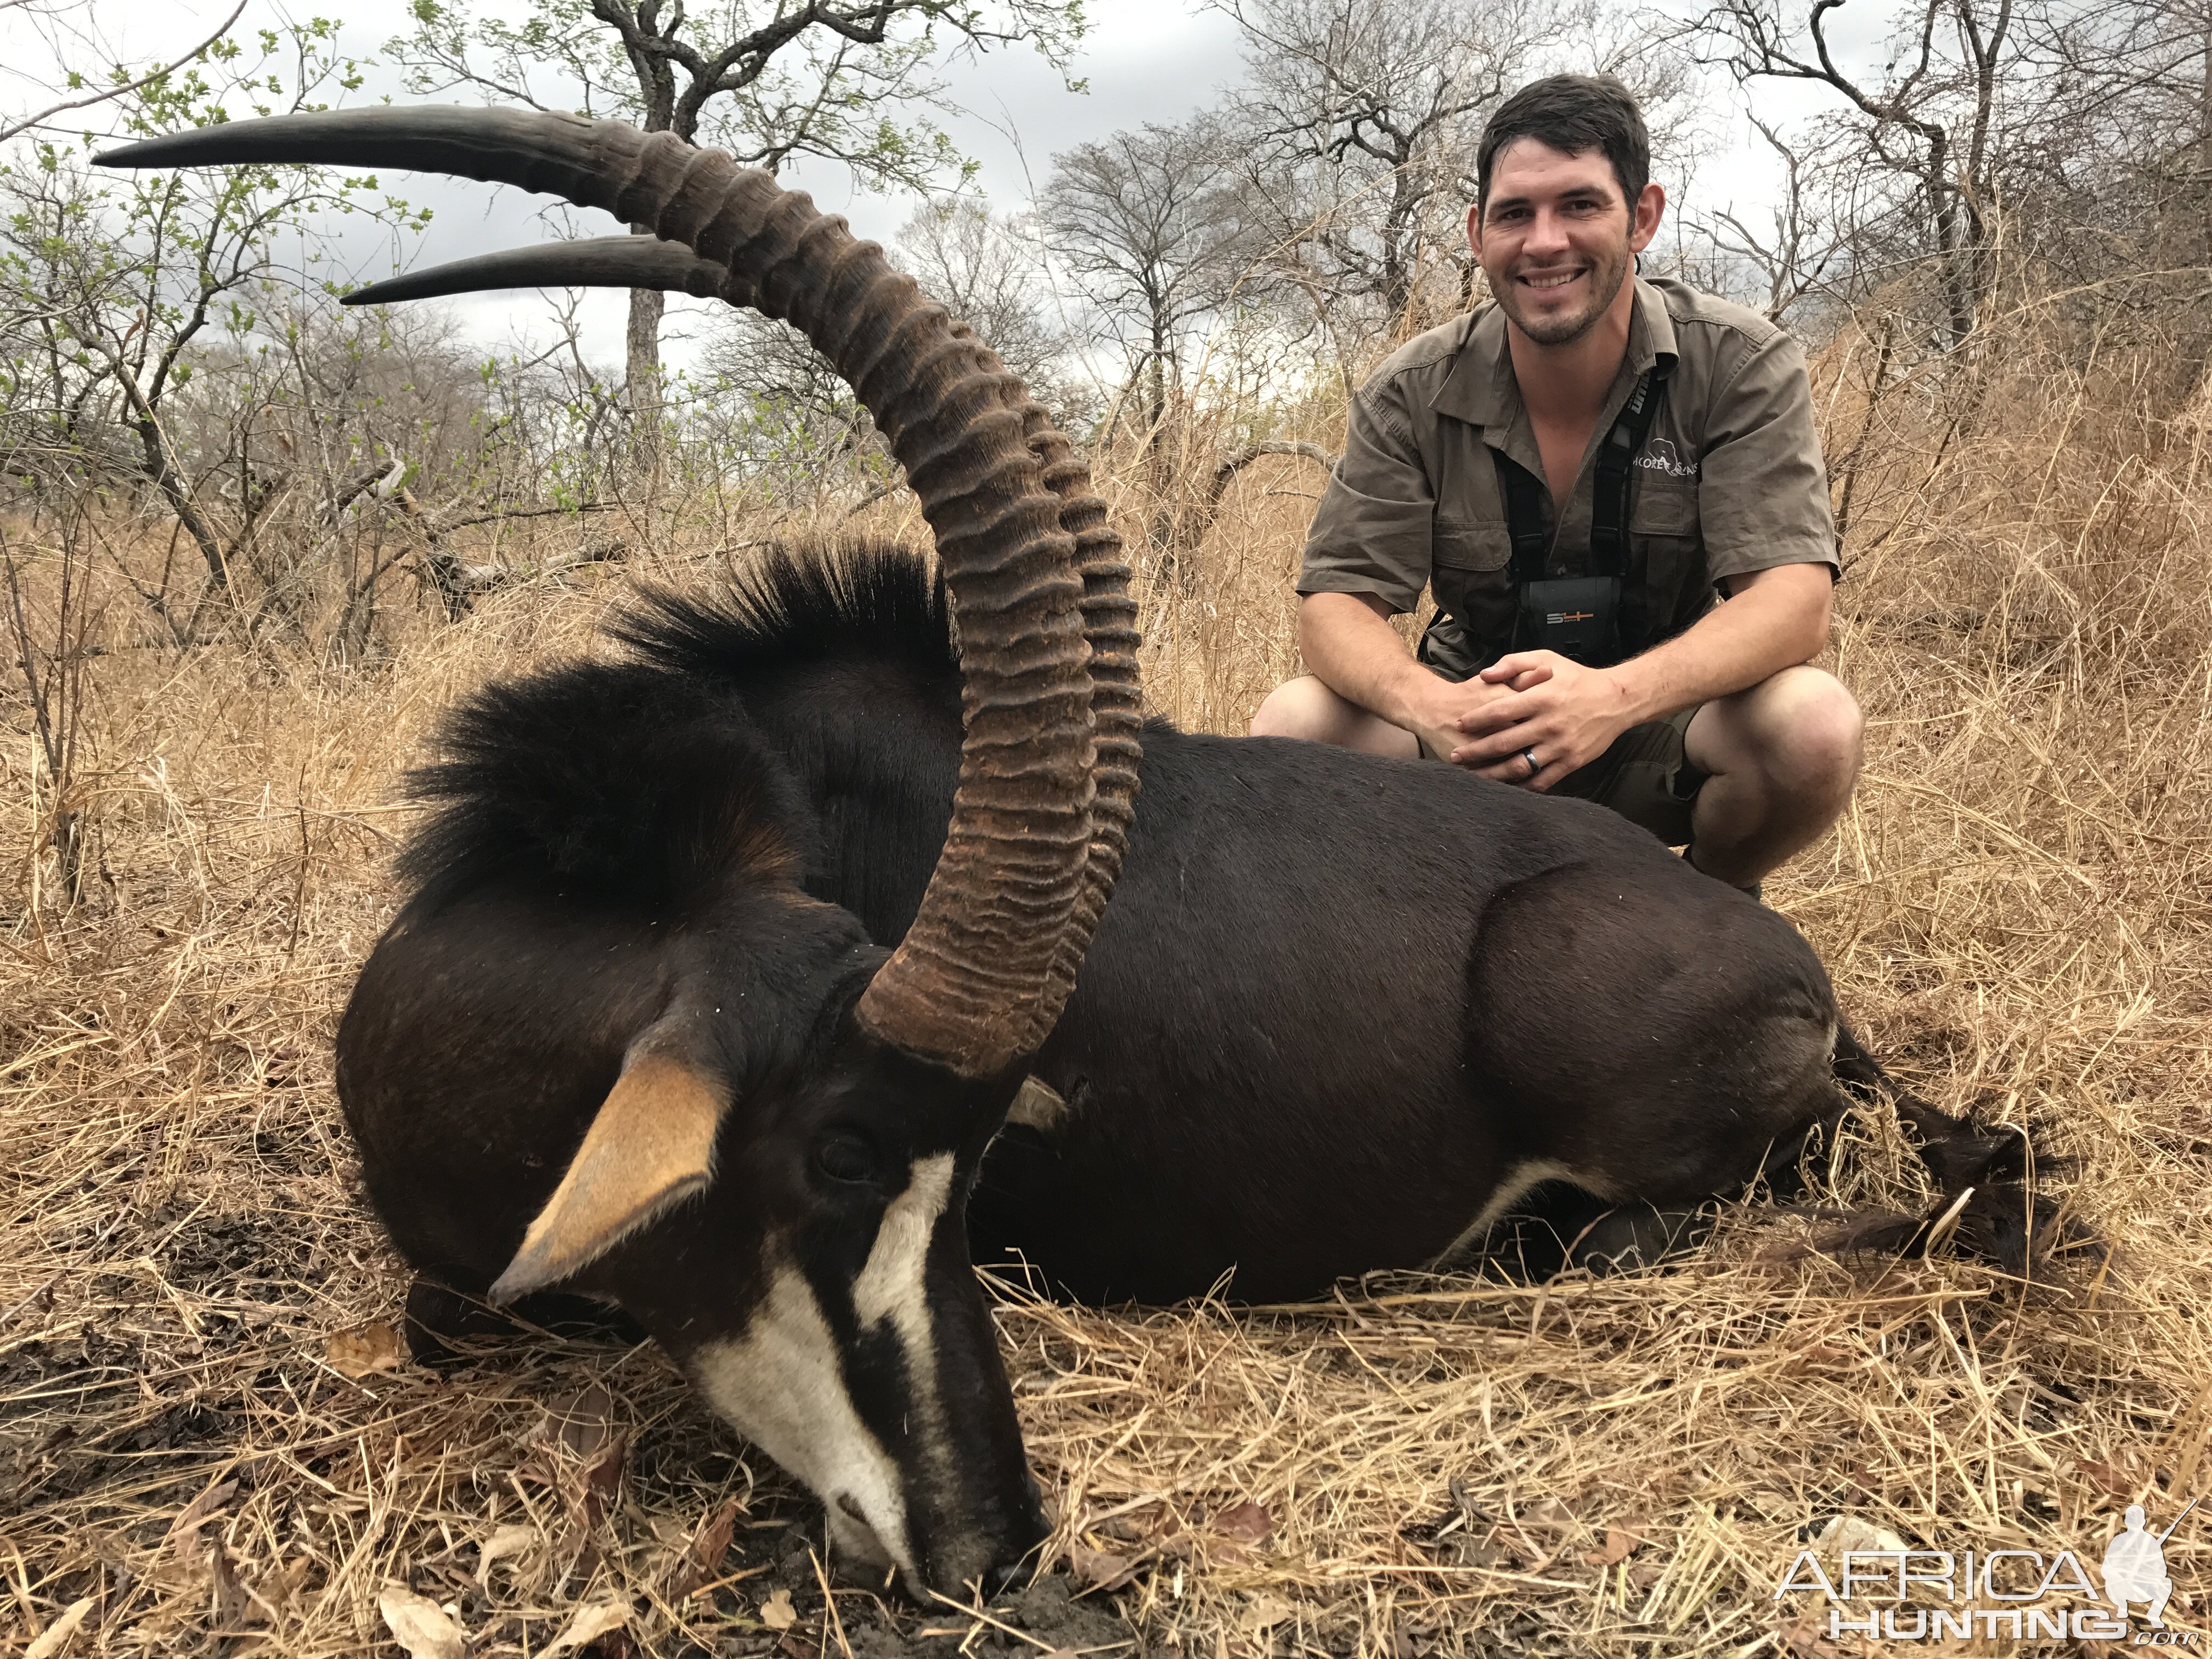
[1605, 288]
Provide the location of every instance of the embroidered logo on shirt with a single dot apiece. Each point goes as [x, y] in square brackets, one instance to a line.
[1660, 456]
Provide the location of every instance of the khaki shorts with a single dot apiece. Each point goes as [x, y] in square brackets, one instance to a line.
[1645, 776]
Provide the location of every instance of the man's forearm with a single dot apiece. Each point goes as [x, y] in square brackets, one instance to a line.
[1778, 619]
[1350, 647]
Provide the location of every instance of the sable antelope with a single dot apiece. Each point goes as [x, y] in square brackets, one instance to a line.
[652, 1068]
[636, 1034]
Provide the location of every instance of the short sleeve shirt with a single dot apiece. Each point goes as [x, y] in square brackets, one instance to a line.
[1728, 481]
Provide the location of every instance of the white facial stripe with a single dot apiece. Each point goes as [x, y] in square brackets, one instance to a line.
[782, 1384]
[891, 1286]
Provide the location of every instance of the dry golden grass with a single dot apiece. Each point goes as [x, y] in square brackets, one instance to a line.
[2014, 911]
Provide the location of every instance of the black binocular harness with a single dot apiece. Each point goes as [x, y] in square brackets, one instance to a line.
[1577, 616]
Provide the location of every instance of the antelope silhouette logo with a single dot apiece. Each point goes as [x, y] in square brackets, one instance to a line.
[1660, 456]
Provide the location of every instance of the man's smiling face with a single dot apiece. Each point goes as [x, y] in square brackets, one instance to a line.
[1556, 240]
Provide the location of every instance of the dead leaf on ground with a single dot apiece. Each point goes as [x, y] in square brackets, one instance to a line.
[595, 1496]
[590, 1624]
[1097, 1570]
[364, 1351]
[56, 1635]
[276, 1589]
[196, 1514]
[1464, 1549]
[604, 1474]
[1434, 1530]
[1620, 1543]
[702, 1562]
[2113, 1481]
[1247, 1524]
[583, 1422]
[1548, 1512]
[419, 1625]
[1847, 1534]
[507, 1541]
[231, 1601]
[587, 1458]
[777, 1612]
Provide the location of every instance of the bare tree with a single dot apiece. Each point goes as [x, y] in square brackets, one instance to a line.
[113, 293]
[989, 269]
[1146, 224]
[2139, 149]
[1805, 249]
[1359, 119]
[780, 417]
[768, 80]
[1930, 119]
[777, 417]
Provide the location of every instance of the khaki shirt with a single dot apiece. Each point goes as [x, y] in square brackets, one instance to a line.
[1729, 481]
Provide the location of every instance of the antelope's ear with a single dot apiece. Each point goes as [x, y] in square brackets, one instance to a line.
[651, 1147]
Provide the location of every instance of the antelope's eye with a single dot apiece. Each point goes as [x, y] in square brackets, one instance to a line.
[847, 1157]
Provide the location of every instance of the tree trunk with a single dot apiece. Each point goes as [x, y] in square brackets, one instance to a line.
[642, 380]
[1951, 255]
[2204, 109]
[1158, 412]
[1400, 243]
[161, 470]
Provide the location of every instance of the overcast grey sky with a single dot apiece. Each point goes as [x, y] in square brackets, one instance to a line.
[1144, 60]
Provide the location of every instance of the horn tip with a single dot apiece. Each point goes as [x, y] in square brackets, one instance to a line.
[388, 291]
[521, 1278]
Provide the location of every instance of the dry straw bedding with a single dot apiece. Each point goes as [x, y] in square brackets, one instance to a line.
[205, 1447]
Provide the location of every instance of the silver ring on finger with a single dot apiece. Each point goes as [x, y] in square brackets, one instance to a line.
[1535, 765]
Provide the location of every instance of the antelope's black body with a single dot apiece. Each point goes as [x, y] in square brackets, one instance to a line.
[1338, 1008]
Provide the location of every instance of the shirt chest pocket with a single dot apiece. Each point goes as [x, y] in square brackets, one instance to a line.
[1664, 558]
[1663, 507]
[1472, 545]
[1473, 576]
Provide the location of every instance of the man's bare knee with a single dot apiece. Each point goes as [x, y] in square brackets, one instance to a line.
[1306, 709]
[1782, 757]
[1798, 736]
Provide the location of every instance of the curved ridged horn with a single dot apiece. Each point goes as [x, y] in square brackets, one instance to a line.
[1117, 698]
[967, 987]
[1109, 614]
[591, 262]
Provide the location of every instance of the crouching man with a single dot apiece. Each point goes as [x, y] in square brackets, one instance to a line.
[1578, 469]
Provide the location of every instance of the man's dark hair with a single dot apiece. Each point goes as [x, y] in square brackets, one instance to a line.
[1573, 114]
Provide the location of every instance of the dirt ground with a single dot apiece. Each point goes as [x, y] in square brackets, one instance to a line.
[211, 1444]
